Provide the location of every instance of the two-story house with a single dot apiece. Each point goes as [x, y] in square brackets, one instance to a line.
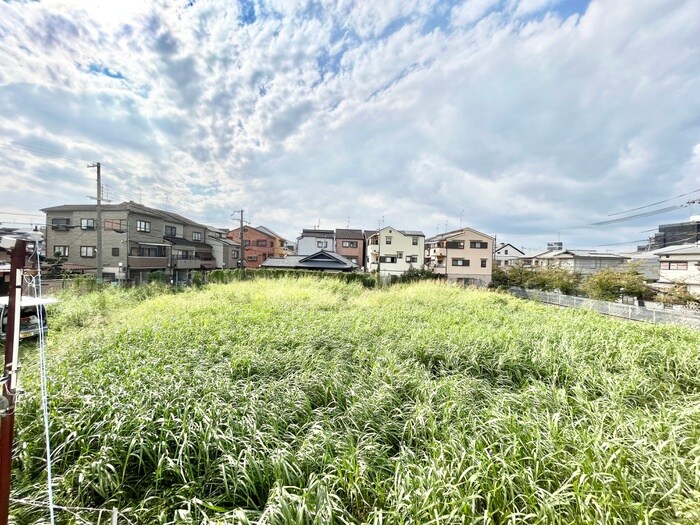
[506, 254]
[224, 250]
[258, 245]
[392, 252]
[281, 247]
[350, 244]
[312, 240]
[463, 256]
[136, 240]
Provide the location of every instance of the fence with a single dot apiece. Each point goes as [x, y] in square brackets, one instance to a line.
[636, 313]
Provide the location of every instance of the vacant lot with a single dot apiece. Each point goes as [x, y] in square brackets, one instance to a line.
[305, 401]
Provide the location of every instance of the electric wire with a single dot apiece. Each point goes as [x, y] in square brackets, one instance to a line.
[654, 203]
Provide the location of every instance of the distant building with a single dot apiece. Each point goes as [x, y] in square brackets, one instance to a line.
[312, 240]
[259, 244]
[392, 252]
[136, 241]
[506, 254]
[281, 247]
[680, 265]
[585, 262]
[675, 234]
[350, 244]
[463, 256]
[322, 261]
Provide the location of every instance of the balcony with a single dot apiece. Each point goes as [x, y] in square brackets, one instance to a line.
[149, 263]
[190, 262]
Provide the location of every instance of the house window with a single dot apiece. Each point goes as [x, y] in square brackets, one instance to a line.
[411, 258]
[234, 254]
[483, 263]
[87, 224]
[460, 262]
[388, 240]
[388, 259]
[261, 242]
[506, 252]
[455, 245]
[115, 252]
[87, 251]
[143, 226]
[349, 244]
[322, 244]
[60, 250]
[170, 231]
[252, 257]
[196, 236]
[115, 224]
[478, 244]
[674, 265]
[150, 251]
[399, 255]
[60, 224]
[414, 241]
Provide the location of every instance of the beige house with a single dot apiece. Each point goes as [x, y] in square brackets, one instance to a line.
[392, 252]
[463, 256]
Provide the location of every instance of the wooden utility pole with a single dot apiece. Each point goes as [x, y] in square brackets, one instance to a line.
[99, 221]
[9, 377]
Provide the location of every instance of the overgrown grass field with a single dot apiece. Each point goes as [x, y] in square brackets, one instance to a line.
[314, 401]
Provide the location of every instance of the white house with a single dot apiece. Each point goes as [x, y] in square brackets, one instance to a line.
[311, 241]
[392, 252]
[680, 265]
[506, 254]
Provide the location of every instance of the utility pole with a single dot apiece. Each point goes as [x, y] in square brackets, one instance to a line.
[241, 250]
[9, 377]
[99, 221]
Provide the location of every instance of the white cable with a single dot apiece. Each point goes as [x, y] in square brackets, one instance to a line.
[44, 390]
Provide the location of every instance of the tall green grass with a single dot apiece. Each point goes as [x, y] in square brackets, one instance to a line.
[316, 401]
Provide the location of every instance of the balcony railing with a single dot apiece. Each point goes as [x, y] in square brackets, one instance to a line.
[136, 261]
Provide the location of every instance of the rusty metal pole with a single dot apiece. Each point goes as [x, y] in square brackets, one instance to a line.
[9, 378]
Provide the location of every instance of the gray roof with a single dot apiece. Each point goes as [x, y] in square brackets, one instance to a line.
[321, 260]
[454, 233]
[125, 206]
[348, 234]
[269, 232]
[321, 234]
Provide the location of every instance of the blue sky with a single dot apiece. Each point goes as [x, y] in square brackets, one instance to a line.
[527, 119]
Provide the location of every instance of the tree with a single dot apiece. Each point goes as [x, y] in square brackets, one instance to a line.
[55, 265]
[608, 283]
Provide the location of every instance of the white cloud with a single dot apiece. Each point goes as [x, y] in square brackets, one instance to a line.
[523, 120]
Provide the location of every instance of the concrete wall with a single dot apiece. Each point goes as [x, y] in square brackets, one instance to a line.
[634, 313]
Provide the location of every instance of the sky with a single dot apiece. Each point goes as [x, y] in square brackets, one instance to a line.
[529, 120]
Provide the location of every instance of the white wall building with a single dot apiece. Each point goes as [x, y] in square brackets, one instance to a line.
[311, 241]
[393, 252]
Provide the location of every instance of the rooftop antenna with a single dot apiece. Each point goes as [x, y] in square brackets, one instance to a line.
[461, 215]
[348, 224]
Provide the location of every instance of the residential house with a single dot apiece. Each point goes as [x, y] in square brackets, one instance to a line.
[281, 244]
[312, 240]
[224, 250]
[464, 256]
[324, 261]
[584, 262]
[680, 265]
[392, 252]
[136, 241]
[258, 245]
[350, 244]
[506, 254]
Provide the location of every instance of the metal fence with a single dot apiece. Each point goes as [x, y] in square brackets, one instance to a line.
[684, 317]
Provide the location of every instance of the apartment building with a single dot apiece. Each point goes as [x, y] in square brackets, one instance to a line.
[392, 252]
[350, 244]
[281, 247]
[463, 256]
[258, 245]
[136, 240]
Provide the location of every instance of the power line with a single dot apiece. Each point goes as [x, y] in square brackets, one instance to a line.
[655, 203]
